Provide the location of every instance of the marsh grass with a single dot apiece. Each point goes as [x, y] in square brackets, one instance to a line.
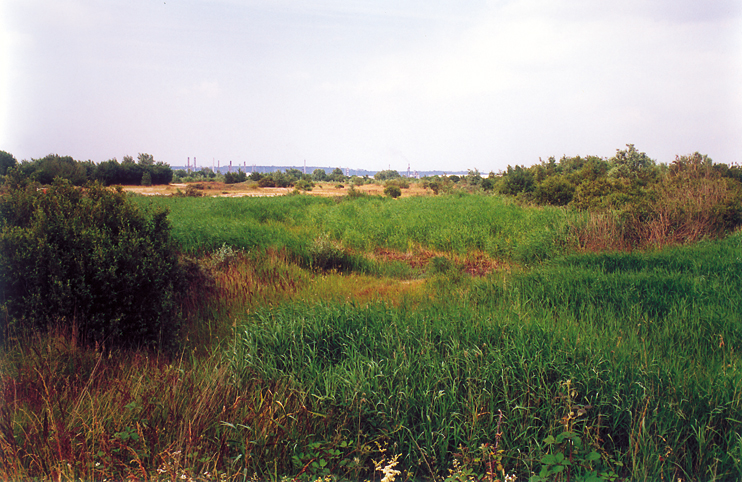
[638, 352]
[453, 224]
[289, 370]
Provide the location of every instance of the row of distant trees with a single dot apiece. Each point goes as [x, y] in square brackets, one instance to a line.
[144, 171]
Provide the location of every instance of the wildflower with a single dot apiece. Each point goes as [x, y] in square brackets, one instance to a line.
[389, 472]
[510, 478]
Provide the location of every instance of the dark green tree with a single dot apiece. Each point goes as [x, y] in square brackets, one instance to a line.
[145, 159]
[336, 175]
[319, 175]
[386, 175]
[293, 174]
[235, 177]
[6, 162]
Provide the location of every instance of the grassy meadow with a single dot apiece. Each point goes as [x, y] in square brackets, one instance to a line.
[452, 337]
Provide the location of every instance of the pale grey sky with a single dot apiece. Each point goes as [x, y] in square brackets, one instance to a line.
[439, 85]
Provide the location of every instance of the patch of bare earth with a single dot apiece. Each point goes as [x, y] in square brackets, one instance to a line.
[220, 189]
[476, 263]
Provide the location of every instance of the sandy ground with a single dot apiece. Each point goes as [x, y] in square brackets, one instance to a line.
[250, 189]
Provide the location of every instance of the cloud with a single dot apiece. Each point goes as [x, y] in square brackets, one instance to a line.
[482, 84]
[207, 89]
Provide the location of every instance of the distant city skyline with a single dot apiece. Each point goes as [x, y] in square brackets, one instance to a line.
[348, 171]
[440, 86]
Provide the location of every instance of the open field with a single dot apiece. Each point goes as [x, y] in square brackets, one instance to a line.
[464, 334]
[221, 189]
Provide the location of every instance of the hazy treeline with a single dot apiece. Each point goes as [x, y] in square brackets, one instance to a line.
[142, 171]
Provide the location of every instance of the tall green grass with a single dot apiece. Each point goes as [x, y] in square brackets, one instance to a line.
[456, 224]
[205, 224]
[646, 355]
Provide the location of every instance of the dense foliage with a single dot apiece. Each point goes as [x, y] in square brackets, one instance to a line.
[7, 160]
[128, 172]
[235, 177]
[89, 262]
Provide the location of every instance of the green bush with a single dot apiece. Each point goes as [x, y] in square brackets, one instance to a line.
[89, 262]
[235, 177]
[304, 185]
[386, 175]
[555, 191]
[393, 191]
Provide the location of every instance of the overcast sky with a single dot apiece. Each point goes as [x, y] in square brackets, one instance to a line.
[372, 85]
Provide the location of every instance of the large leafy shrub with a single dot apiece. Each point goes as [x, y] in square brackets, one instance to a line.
[87, 261]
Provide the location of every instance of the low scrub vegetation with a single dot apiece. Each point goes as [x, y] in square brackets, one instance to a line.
[89, 263]
[556, 330]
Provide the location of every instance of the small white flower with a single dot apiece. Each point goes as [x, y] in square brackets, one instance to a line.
[389, 472]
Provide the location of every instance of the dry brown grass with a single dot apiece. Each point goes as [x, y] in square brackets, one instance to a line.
[475, 263]
[243, 189]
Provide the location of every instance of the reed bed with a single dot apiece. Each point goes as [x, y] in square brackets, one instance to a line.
[451, 336]
[642, 362]
[456, 224]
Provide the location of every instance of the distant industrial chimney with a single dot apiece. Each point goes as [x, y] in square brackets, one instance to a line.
[189, 164]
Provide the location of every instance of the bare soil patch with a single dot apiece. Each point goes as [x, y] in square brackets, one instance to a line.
[219, 189]
[475, 263]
